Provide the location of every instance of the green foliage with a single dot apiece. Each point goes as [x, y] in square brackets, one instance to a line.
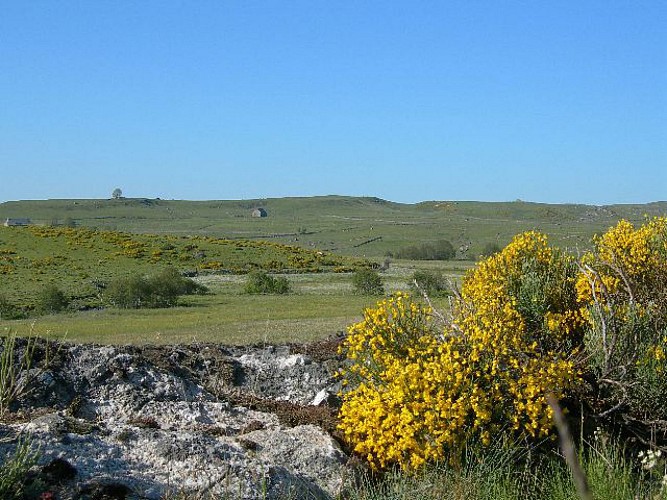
[165, 288]
[14, 470]
[367, 282]
[128, 292]
[439, 250]
[51, 299]
[14, 363]
[259, 282]
[490, 249]
[76, 258]
[8, 310]
[508, 473]
[159, 290]
[623, 286]
[433, 283]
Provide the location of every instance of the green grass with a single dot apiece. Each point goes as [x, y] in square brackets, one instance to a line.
[320, 305]
[367, 227]
[504, 474]
[227, 319]
[78, 259]
[301, 235]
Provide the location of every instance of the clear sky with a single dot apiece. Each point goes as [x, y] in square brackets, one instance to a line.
[558, 101]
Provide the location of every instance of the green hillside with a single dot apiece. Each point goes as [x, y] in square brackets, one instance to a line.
[368, 227]
[80, 260]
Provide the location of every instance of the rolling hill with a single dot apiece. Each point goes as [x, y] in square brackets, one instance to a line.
[365, 227]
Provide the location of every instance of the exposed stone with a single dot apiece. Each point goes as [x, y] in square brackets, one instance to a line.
[133, 422]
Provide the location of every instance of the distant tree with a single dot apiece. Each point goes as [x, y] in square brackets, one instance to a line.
[259, 282]
[367, 282]
[51, 299]
[432, 283]
[159, 290]
[439, 250]
[117, 193]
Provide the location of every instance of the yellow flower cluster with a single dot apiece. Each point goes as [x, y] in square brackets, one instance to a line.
[625, 276]
[420, 394]
[626, 260]
[622, 293]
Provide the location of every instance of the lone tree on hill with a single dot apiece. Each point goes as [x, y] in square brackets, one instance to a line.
[117, 193]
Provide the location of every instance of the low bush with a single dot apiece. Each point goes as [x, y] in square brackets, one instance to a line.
[439, 250]
[490, 249]
[159, 290]
[432, 283]
[529, 322]
[422, 395]
[8, 310]
[259, 282]
[367, 282]
[622, 289]
[51, 299]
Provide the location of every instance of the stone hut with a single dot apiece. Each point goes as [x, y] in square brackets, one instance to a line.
[259, 212]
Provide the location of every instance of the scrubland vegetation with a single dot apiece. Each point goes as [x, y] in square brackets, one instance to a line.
[449, 376]
[471, 390]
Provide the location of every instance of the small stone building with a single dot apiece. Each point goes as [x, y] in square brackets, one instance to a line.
[16, 222]
[259, 212]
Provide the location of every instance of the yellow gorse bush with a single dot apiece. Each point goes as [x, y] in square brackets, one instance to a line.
[420, 392]
[628, 264]
[622, 291]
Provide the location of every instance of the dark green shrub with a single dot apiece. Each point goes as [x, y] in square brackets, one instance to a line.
[490, 249]
[367, 282]
[433, 283]
[51, 299]
[159, 290]
[128, 292]
[259, 282]
[9, 310]
[439, 250]
[165, 288]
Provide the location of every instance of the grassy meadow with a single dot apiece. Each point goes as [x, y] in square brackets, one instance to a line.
[363, 227]
[315, 242]
[81, 261]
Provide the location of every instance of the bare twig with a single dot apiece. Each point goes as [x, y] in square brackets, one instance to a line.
[439, 316]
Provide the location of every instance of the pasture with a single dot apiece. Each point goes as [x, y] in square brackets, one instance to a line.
[81, 262]
[315, 242]
[363, 227]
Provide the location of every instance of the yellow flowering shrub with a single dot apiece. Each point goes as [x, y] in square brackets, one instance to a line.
[628, 265]
[622, 291]
[420, 391]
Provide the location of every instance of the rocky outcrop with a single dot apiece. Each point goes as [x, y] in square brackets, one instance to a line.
[148, 422]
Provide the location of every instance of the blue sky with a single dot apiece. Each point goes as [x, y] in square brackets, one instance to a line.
[474, 100]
